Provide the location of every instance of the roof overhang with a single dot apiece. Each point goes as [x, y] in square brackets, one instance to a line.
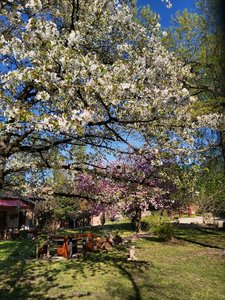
[12, 203]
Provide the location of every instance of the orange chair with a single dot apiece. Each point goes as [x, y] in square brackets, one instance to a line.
[62, 250]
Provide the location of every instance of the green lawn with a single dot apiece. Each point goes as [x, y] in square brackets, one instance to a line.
[189, 267]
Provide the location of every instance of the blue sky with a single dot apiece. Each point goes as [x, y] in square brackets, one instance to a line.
[164, 12]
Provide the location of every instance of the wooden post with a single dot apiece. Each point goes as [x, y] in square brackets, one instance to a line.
[37, 246]
[70, 248]
[48, 248]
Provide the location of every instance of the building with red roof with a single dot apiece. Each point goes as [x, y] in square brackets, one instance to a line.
[16, 212]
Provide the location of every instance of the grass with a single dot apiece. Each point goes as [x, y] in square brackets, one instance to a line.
[189, 267]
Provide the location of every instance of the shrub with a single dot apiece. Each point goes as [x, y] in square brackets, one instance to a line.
[161, 227]
[150, 223]
[165, 231]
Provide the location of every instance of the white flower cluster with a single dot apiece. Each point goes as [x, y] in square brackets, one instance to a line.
[43, 95]
[18, 161]
[214, 120]
[74, 38]
[34, 5]
[168, 3]
[37, 29]
[11, 112]
[157, 162]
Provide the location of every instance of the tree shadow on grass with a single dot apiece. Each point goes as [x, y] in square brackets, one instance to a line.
[12, 267]
[205, 237]
[22, 278]
[137, 273]
[203, 244]
[17, 272]
[117, 260]
[31, 279]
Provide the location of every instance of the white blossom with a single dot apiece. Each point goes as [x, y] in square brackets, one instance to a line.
[43, 95]
[74, 38]
[35, 5]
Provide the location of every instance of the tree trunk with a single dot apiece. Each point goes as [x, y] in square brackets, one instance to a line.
[2, 167]
[222, 144]
[102, 218]
[136, 220]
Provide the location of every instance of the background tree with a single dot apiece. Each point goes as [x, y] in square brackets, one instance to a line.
[210, 190]
[198, 39]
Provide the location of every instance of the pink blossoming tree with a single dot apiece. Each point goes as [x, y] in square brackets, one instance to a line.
[133, 183]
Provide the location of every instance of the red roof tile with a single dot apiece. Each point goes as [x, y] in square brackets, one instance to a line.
[12, 203]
